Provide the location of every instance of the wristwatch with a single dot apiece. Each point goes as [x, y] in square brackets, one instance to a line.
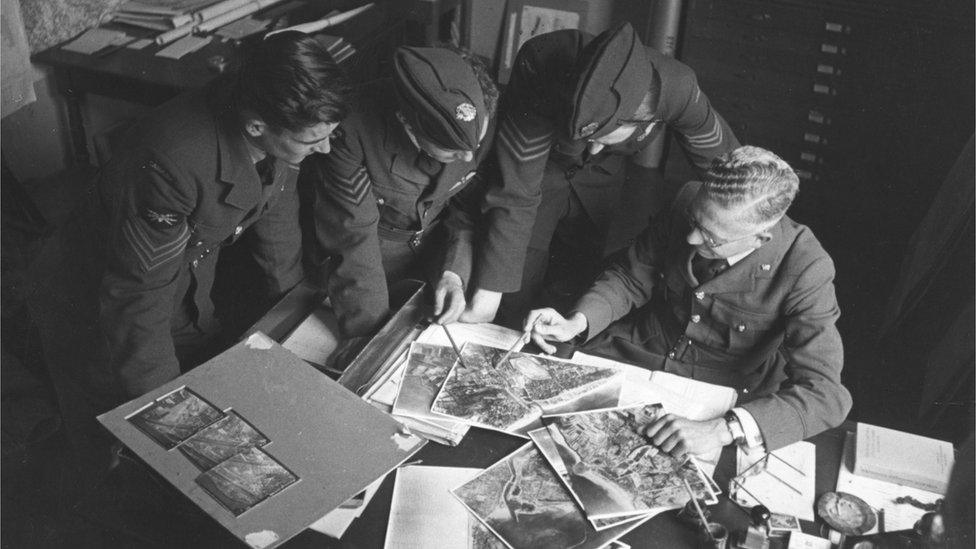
[735, 428]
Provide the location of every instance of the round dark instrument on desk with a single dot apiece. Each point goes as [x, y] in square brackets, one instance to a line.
[846, 513]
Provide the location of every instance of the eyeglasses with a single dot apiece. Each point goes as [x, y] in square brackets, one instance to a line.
[707, 236]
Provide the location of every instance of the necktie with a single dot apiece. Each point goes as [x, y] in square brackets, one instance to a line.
[706, 269]
[266, 170]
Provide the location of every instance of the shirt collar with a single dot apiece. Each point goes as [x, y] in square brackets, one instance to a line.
[739, 257]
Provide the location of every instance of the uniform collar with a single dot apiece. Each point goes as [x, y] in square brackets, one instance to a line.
[761, 262]
[236, 163]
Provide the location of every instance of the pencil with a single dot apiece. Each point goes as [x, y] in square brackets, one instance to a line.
[454, 344]
[698, 508]
[787, 484]
[524, 337]
[788, 464]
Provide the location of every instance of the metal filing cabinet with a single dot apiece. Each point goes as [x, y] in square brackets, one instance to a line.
[872, 98]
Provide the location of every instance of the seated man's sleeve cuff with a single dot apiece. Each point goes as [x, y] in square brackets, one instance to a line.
[754, 438]
[597, 312]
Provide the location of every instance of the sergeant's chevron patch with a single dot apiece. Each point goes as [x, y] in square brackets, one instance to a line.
[153, 248]
[522, 146]
[711, 138]
[353, 188]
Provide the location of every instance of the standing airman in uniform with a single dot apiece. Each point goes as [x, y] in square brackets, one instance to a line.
[576, 109]
[197, 174]
[726, 289]
[400, 160]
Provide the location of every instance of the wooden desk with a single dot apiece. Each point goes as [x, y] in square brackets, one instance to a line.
[140, 77]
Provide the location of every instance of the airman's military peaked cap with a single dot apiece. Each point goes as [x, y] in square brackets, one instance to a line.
[440, 96]
[614, 75]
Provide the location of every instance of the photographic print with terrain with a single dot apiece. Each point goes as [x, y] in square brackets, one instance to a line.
[478, 395]
[555, 384]
[220, 440]
[523, 503]
[427, 368]
[245, 479]
[612, 469]
[175, 417]
[510, 395]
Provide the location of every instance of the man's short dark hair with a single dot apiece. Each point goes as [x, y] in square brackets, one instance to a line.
[291, 82]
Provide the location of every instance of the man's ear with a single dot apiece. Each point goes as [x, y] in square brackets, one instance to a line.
[254, 126]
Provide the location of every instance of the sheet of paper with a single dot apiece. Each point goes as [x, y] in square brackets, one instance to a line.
[489, 335]
[184, 46]
[684, 397]
[777, 485]
[95, 39]
[315, 338]
[386, 392]
[423, 512]
[338, 520]
[713, 400]
[880, 494]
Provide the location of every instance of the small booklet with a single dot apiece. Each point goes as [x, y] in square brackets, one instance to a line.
[903, 458]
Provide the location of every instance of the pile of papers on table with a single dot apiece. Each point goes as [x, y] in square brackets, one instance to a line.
[588, 475]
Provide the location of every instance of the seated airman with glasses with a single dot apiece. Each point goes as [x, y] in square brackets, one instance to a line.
[726, 289]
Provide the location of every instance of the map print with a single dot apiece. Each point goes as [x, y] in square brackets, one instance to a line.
[523, 503]
[612, 469]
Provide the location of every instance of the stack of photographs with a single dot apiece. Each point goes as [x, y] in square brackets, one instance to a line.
[589, 478]
[511, 396]
[612, 470]
[523, 503]
[426, 369]
[235, 470]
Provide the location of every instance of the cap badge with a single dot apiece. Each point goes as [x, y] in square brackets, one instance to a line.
[465, 112]
[588, 129]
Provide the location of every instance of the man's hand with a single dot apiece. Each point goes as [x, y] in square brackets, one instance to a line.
[448, 298]
[547, 324]
[483, 306]
[679, 436]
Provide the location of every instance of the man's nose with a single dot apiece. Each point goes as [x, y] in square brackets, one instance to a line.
[324, 147]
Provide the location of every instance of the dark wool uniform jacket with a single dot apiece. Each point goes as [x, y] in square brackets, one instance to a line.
[533, 129]
[765, 326]
[185, 186]
[372, 179]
